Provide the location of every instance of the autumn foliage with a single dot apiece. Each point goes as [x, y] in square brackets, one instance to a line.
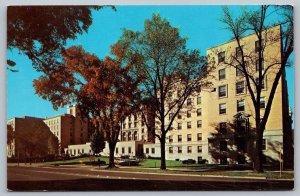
[101, 88]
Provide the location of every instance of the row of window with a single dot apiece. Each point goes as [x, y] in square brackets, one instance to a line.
[79, 151]
[238, 51]
[188, 114]
[188, 137]
[239, 88]
[52, 122]
[129, 151]
[188, 150]
[189, 125]
[241, 145]
[240, 106]
[238, 70]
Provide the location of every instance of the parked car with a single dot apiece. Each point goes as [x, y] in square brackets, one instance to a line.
[189, 161]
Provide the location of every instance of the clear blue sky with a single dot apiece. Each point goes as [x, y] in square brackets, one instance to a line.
[199, 23]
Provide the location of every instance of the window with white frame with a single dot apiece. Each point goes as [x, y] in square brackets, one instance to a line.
[223, 91]
[222, 108]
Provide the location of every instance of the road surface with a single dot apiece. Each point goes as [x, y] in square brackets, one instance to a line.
[89, 179]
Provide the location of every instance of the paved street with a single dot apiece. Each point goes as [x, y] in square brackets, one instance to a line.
[88, 179]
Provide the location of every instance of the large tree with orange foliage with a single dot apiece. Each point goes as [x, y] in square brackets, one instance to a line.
[102, 90]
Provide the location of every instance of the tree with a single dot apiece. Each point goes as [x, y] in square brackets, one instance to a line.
[40, 32]
[169, 72]
[102, 90]
[256, 21]
[97, 142]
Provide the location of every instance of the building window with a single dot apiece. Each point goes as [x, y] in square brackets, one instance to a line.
[171, 138]
[123, 150]
[179, 149]
[129, 136]
[262, 102]
[238, 51]
[199, 123]
[135, 136]
[198, 100]
[189, 101]
[124, 126]
[179, 116]
[262, 83]
[179, 138]
[143, 122]
[241, 125]
[189, 149]
[240, 105]
[257, 65]
[199, 149]
[129, 150]
[199, 112]
[199, 136]
[223, 145]
[117, 151]
[170, 150]
[179, 126]
[129, 125]
[189, 125]
[188, 114]
[129, 118]
[223, 127]
[135, 124]
[153, 150]
[240, 87]
[222, 108]
[264, 144]
[189, 137]
[147, 150]
[223, 91]
[221, 57]
[222, 74]
[257, 48]
[171, 116]
[239, 70]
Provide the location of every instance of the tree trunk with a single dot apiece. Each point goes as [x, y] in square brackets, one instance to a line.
[111, 156]
[163, 153]
[258, 156]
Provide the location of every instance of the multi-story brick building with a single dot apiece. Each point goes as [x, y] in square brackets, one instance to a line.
[27, 133]
[69, 128]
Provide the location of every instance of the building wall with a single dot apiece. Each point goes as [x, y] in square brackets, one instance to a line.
[210, 102]
[70, 128]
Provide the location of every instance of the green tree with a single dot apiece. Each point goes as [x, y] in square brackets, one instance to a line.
[169, 72]
[256, 21]
[97, 142]
[40, 32]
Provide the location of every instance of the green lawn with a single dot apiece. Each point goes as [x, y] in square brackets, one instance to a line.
[149, 165]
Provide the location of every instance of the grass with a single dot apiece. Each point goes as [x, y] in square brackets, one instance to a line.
[153, 165]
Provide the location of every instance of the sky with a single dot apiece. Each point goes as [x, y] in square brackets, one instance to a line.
[200, 24]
